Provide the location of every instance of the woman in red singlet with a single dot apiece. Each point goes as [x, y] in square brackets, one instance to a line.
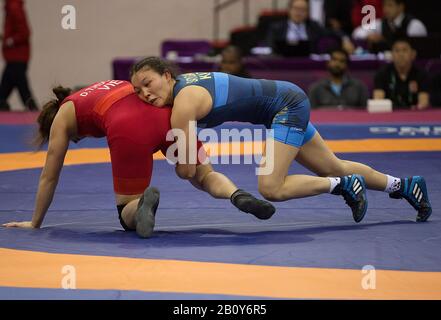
[135, 130]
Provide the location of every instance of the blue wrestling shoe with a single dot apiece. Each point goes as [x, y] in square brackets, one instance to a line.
[353, 190]
[146, 211]
[414, 190]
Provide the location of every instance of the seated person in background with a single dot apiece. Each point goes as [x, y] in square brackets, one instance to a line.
[339, 89]
[396, 23]
[338, 15]
[435, 93]
[232, 63]
[401, 81]
[298, 29]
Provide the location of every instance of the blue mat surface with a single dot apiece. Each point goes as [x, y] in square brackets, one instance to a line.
[316, 232]
[313, 232]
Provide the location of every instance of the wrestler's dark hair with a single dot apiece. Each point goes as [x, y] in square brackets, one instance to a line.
[156, 64]
[47, 115]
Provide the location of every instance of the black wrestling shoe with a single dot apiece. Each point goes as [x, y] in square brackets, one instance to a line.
[353, 190]
[246, 202]
[145, 214]
[414, 190]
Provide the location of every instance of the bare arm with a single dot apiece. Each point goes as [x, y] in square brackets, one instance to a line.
[184, 119]
[57, 149]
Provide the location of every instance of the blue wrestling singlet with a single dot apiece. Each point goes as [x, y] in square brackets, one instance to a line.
[278, 105]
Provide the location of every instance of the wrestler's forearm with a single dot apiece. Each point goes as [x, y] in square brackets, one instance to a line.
[45, 194]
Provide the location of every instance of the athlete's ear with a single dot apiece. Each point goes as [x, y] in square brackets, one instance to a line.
[167, 75]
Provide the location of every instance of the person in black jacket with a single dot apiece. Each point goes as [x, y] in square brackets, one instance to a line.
[396, 24]
[402, 81]
[338, 15]
[298, 28]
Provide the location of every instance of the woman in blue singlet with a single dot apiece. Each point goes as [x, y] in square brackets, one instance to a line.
[212, 98]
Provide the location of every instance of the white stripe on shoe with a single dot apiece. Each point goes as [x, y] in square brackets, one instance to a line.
[420, 197]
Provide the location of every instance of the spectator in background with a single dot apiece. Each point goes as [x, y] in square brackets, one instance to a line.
[401, 81]
[339, 89]
[232, 62]
[435, 93]
[16, 52]
[338, 16]
[298, 27]
[395, 24]
[334, 14]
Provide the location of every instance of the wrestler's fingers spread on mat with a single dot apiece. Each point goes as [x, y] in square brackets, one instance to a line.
[14, 224]
[9, 224]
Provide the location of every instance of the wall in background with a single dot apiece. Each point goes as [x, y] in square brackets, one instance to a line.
[110, 28]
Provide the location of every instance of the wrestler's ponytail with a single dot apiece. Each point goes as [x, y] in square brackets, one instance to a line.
[47, 115]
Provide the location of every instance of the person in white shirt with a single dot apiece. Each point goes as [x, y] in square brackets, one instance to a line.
[299, 27]
[396, 23]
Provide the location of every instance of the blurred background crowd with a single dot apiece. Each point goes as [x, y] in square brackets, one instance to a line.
[343, 53]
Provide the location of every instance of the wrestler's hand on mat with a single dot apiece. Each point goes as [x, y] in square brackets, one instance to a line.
[23, 224]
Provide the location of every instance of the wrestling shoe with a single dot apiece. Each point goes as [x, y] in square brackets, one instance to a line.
[353, 190]
[146, 211]
[414, 190]
[246, 202]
